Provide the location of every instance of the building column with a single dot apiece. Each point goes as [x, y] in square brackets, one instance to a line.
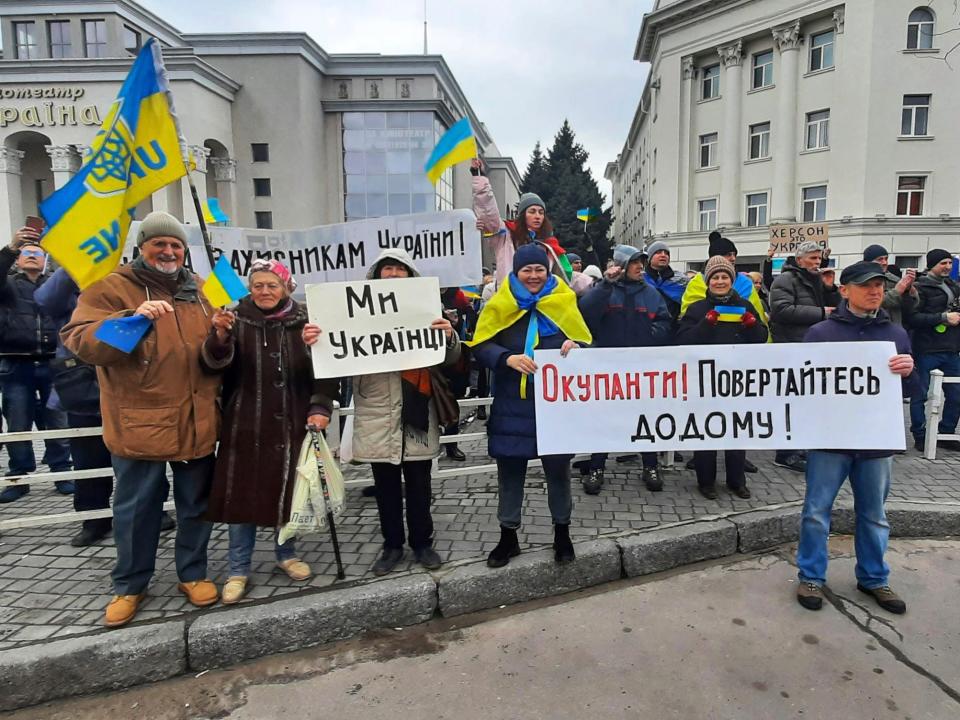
[225, 177]
[730, 211]
[64, 161]
[788, 40]
[11, 200]
[689, 74]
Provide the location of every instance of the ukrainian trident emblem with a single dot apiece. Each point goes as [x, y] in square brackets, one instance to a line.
[110, 155]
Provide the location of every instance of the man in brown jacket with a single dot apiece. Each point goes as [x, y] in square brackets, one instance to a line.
[159, 407]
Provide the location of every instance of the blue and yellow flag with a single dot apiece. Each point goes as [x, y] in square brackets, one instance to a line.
[123, 333]
[213, 214]
[224, 286]
[456, 145]
[136, 152]
[588, 214]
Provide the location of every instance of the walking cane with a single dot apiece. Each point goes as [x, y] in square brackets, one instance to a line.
[315, 437]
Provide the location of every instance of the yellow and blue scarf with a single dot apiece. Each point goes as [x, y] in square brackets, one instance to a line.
[554, 309]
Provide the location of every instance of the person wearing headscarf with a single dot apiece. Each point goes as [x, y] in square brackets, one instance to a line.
[532, 309]
[269, 397]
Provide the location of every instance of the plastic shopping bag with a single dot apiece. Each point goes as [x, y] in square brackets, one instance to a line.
[346, 441]
[308, 510]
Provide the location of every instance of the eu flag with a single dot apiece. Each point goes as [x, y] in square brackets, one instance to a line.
[123, 333]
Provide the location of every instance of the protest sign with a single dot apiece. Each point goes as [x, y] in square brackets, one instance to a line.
[444, 245]
[781, 396]
[785, 239]
[375, 326]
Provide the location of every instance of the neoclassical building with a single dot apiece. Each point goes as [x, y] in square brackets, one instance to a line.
[284, 134]
[779, 111]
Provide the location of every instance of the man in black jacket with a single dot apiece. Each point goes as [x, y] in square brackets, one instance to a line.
[28, 340]
[935, 322]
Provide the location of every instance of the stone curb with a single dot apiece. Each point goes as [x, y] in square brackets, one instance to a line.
[530, 576]
[666, 548]
[223, 638]
[93, 663]
[766, 528]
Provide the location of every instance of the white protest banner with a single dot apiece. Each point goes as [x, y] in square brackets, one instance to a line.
[778, 396]
[375, 326]
[445, 245]
[785, 239]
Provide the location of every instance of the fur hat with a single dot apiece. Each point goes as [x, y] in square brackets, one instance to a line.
[721, 245]
[718, 264]
[160, 224]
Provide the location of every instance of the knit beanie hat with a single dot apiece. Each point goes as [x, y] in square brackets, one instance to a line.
[720, 245]
[573, 257]
[873, 252]
[623, 254]
[655, 247]
[937, 256]
[530, 254]
[160, 224]
[529, 200]
[717, 264]
[806, 248]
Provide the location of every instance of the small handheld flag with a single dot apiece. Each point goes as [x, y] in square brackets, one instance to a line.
[136, 152]
[123, 333]
[456, 145]
[728, 313]
[588, 214]
[224, 286]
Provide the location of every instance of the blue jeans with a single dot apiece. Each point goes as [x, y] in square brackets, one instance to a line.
[26, 388]
[138, 500]
[949, 363]
[512, 474]
[870, 480]
[243, 536]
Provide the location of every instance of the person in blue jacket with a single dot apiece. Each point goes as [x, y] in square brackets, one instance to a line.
[532, 309]
[624, 310]
[859, 318]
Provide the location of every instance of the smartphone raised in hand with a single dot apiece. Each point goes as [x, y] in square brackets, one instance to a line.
[35, 223]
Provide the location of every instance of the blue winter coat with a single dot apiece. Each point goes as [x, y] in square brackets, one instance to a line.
[512, 427]
[626, 314]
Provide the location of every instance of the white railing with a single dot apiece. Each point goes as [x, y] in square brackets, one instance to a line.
[934, 410]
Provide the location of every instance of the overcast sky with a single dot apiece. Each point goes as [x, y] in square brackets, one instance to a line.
[524, 65]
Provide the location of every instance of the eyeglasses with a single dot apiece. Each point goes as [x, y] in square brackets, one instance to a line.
[33, 253]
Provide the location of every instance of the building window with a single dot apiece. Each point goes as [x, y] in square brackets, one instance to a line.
[821, 51]
[910, 194]
[763, 69]
[915, 114]
[756, 209]
[95, 38]
[260, 152]
[132, 40]
[59, 33]
[710, 85]
[261, 187]
[908, 261]
[815, 204]
[760, 141]
[818, 129]
[708, 150]
[26, 36]
[264, 219]
[707, 210]
[920, 30]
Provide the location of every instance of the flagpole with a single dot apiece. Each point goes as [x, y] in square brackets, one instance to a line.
[203, 224]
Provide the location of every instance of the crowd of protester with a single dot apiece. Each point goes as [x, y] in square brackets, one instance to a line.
[224, 397]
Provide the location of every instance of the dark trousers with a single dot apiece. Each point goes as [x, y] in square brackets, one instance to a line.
[89, 453]
[391, 481]
[705, 462]
[137, 509]
[512, 476]
[598, 461]
[26, 388]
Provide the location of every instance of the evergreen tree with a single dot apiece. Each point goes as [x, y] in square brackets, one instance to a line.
[567, 185]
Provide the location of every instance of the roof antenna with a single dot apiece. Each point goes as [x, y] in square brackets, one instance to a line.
[424, 27]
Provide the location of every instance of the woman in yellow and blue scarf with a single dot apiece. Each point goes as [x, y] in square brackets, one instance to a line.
[531, 310]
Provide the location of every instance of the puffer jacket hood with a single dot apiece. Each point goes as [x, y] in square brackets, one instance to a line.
[397, 254]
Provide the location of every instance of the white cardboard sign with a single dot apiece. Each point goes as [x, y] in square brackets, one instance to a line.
[375, 326]
[777, 396]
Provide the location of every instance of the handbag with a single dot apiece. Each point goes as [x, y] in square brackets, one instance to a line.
[448, 410]
[76, 384]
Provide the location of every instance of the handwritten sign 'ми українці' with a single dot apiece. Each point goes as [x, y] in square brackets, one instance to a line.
[813, 396]
[375, 326]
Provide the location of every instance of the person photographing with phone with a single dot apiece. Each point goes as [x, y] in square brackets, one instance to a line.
[28, 341]
[900, 293]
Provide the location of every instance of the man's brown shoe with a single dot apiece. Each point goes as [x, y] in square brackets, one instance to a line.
[122, 609]
[810, 595]
[886, 598]
[199, 592]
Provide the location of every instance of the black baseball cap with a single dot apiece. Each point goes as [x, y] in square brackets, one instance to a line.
[860, 273]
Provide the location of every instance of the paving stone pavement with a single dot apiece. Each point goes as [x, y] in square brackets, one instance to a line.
[49, 589]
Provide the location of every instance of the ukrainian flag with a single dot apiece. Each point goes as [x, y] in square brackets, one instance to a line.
[224, 286]
[730, 313]
[136, 152]
[213, 214]
[588, 214]
[456, 145]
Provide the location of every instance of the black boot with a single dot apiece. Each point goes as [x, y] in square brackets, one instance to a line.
[455, 453]
[507, 548]
[562, 547]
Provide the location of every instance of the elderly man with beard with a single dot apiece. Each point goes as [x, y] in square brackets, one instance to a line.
[159, 407]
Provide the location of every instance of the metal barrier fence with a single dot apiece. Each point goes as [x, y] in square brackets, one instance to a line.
[934, 410]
